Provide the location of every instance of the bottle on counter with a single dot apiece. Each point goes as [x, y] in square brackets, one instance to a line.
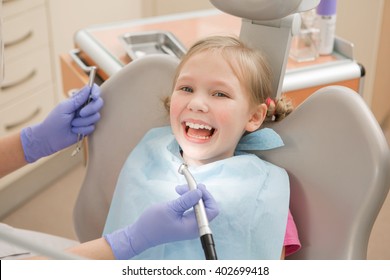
[326, 22]
[304, 44]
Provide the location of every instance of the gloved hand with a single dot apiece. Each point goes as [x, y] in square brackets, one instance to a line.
[162, 223]
[61, 127]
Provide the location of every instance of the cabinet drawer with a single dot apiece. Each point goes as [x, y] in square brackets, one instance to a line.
[25, 74]
[25, 33]
[26, 112]
[12, 7]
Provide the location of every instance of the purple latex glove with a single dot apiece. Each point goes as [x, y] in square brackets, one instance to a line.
[61, 127]
[162, 223]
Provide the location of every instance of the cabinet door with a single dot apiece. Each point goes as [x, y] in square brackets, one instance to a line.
[26, 112]
[13, 7]
[25, 75]
[25, 32]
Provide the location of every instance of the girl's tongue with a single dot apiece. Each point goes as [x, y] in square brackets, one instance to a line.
[200, 131]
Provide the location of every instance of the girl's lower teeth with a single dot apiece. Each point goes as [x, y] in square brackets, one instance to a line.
[199, 137]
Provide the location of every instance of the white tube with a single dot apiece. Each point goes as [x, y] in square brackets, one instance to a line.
[326, 22]
[41, 249]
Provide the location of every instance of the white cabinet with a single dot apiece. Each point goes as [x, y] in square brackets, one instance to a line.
[36, 32]
[28, 60]
[27, 93]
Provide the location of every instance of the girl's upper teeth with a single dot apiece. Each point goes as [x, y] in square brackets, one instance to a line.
[198, 126]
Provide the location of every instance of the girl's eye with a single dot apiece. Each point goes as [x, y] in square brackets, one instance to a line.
[187, 89]
[220, 94]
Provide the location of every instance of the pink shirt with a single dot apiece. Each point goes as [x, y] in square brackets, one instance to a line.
[291, 239]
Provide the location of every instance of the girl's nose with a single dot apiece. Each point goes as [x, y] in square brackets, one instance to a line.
[198, 103]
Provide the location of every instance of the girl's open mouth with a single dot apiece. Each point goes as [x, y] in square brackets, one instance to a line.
[199, 131]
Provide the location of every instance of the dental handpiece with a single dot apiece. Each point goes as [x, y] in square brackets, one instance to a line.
[206, 236]
[91, 79]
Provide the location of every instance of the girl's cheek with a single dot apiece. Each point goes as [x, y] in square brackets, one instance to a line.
[224, 116]
[174, 109]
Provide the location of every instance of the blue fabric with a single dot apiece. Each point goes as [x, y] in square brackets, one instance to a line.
[253, 196]
[260, 140]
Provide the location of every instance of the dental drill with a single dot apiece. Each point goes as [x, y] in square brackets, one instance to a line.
[80, 137]
[206, 236]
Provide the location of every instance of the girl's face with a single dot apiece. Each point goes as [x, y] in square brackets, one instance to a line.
[209, 109]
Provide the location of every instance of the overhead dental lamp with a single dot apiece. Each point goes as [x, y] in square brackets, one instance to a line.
[268, 25]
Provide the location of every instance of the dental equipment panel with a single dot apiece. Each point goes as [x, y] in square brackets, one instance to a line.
[206, 235]
[80, 137]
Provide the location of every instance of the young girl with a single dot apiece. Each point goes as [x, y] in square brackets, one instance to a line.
[219, 102]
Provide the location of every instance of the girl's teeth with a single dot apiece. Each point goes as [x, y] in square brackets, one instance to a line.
[198, 126]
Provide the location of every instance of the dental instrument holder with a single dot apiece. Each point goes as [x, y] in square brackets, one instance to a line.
[269, 27]
[80, 137]
[206, 236]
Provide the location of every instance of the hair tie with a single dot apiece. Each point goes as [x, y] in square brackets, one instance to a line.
[271, 107]
[269, 102]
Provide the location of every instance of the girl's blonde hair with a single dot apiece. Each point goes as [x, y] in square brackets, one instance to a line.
[249, 66]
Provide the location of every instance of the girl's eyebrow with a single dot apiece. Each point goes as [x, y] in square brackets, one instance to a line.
[218, 82]
[184, 77]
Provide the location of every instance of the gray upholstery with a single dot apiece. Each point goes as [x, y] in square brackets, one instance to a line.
[335, 153]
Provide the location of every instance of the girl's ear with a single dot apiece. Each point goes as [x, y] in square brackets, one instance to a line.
[257, 118]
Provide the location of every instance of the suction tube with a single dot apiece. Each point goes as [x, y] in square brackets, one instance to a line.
[206, 236]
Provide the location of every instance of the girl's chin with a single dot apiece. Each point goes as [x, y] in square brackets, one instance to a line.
[194, 157]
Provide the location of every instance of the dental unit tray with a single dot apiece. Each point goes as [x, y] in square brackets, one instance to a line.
[139, 44]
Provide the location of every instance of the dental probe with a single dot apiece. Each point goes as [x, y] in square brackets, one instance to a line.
[206, 236]
[80, 137]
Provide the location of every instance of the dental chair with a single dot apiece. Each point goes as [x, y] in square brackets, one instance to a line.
[335, 153]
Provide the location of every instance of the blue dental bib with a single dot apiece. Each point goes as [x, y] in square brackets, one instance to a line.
[252, 195]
